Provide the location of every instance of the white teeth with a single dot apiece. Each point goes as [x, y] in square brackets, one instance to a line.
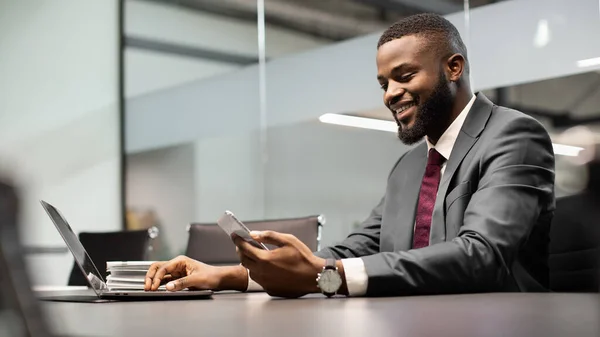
[404, 107]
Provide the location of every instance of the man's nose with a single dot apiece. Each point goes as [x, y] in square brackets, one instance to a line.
[393, 93]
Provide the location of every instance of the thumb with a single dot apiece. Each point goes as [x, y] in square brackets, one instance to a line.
[271, 238]
[179, 284]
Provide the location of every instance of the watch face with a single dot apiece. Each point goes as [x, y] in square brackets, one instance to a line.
[330, 281]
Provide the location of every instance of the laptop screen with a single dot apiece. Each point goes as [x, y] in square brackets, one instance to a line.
[82, 258]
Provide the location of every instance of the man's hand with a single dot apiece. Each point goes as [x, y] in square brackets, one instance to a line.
[288, 271]
[183, 272]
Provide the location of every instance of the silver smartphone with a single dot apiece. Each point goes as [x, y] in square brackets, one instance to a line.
[231, 225]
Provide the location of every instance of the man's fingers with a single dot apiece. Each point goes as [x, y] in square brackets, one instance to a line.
[239, 253]
[248, 263]
[166, 279]
[150, 274]
[272, 238]
[160, 273]
[166, 268]
[249, 250]
[179, 284]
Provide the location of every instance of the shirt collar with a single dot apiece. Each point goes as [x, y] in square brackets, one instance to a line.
[446, 142]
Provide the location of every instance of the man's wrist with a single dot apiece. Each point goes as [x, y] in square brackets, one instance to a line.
[232, 278]
[319, 264]
[344, 287]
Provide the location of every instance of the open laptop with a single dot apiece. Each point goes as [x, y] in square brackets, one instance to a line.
[95, 279]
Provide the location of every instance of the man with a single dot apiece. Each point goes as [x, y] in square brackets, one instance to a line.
[467, 210]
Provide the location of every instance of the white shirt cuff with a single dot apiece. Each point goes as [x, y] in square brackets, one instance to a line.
[357, 279]
[252, 285]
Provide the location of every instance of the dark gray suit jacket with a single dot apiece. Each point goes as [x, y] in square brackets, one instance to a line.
[491, 220]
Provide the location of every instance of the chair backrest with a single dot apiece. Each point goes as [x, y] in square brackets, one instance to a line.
[208, 243]
[574, 250]
[113, 246]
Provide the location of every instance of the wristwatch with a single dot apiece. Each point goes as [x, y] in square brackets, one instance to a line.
[329, 280]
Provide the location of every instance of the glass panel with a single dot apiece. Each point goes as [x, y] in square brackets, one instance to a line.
[315, 167]
[297, 26]
[192, 116]
[568, 108]
[210, 127]
[543, 62]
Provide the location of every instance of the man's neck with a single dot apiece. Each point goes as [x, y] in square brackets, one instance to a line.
[460, 102]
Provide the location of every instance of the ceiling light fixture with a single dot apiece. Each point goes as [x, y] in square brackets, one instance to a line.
[589, 62]
[382, 125]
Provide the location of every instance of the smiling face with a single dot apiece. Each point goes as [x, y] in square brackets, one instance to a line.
[416, 88]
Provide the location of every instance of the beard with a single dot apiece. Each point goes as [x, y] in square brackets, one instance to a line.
[430, 114]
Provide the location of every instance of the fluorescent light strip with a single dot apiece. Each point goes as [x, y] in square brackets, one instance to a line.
[359, 122]
[381, 125]
[589, 62]
[566, 150]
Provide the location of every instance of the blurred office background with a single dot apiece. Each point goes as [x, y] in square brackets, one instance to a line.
[205, 105]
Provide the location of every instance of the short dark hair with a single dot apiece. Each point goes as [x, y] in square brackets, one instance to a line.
[441, 34]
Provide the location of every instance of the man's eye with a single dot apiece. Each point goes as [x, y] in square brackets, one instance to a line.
[384, 87]
[407, 77]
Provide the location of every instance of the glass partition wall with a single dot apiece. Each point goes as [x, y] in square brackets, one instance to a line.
[239, 105]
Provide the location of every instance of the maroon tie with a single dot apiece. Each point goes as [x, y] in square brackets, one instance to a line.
[429, 187]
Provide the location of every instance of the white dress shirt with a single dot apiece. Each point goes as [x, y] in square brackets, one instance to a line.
[357, 279]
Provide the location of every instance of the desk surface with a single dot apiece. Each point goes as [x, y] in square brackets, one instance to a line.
[235, 314]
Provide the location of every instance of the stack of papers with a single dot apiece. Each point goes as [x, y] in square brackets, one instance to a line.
[127, 275]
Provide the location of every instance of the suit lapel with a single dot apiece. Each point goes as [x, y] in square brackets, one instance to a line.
[469, 133]
[410, 177]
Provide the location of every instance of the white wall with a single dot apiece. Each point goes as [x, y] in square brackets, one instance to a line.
[229, 176]
[59, 120]
[148, 71]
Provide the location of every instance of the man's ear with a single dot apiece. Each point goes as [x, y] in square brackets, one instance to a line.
[455, 67]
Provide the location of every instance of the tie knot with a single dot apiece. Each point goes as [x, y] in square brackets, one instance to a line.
[435, 158]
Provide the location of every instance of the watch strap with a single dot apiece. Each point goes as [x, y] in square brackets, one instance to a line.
[330, 264]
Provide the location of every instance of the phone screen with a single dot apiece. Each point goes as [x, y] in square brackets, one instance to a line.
[231, 225]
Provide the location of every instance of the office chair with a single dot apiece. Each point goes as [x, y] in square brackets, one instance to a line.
[575, 244]
[208, 243]
[113, 246]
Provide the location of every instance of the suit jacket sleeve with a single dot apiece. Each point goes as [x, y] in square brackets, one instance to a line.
[516, 179]
[363, 241]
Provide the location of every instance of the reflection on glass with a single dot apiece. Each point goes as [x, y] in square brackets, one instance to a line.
[193, 123]
[210, 128]
[542, 34]
[323, 158]
[569, 109]
[298, 26]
